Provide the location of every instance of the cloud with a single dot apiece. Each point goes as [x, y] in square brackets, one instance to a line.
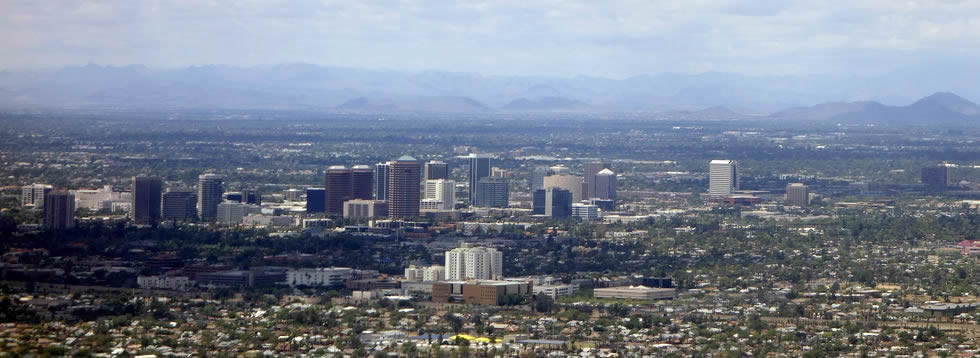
[552, 37]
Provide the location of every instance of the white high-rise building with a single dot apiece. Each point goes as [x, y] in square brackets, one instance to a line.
[33, 195]
[434, 273]
[441, 190]
[723, 178]
[473, 263]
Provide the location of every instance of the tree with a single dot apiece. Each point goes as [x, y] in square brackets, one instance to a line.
[543, 303]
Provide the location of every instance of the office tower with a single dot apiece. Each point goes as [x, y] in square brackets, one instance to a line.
[590, 170]
[604, 183]
[436, 169]
[552, 202]
[587, 212]
[33, 195]
[361, 182]
[147, 193]
[59, 210]
[338, 185]
[316, 200]
[179, 204]
[479, 168]
[559, 170]
[473, 263]
[443, 191]
[797, 194]
[936, 177]
[251, 196]
[492, 192]
[537, 177]
[572, 183]
[723, 177]
[403, 188]
[381, 177]
[365, 208]
[209, 191]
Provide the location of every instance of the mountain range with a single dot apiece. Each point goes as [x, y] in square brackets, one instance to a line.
[705, 96]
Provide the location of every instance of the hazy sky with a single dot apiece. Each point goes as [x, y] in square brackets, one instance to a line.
[525, 37]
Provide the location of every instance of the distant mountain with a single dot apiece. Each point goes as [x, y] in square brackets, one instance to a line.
[424, 104]
[942, 108]
[544, 104]
[323, 88]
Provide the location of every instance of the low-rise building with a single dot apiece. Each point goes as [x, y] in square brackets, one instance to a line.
[635, 292]
[480, 292]
[323, 276]
[162, 282]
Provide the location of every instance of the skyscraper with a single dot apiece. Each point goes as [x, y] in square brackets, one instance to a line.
[436, 169]
[797, 194]
[403, 188]
[33, 195]
[590, 170]
[537, 177]
[492, 192]
[572, 183]
[209, 190]
[552, 202]
[179, 204]
[604, 183]
[316, 200]
[337, 181]
[147, 193]
[936, 177]
[362, 182]
[59, 210]
[381, 173]
[473, 263]
[479, 168]
[441, 190]
[723, 178]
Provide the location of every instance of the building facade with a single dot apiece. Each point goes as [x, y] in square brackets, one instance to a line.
[403, 187]
[479, 168]
[468, 262]
[179, 205]
[381, 177]
[322, 276]
[147, 194]
[59, 210]
[435, 170]
[604, 183]
[723, 178]
[798, 194]
[210, 187]
[316, 200]
[441, 190]
[552, 202]
[362, 208]
[590, 170]
[33, 195]
[492, 193]
[572, 183]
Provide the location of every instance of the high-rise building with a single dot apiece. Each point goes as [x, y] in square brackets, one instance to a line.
[587, 212]
[33, 195]
[209, 190]
[436, 169]
[179, 204]
[473, 263]
[147, 193]
[251, 196]
[590, 170]
[443, 191]
[59, 210]
[604, 185]
[479, 168]
[381, 177]
[537, 177]
[552, 202]
[723, 177]
[316, 200]
[797, 194]
[936, 177]
[338, 184]
[292, 194]
[572, 183]
[361, 182]
[403, 188]
[231, 212]
[492, 192]
[365, 208]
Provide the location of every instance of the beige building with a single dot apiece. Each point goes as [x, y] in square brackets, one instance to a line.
[363, 208]
[568, 182]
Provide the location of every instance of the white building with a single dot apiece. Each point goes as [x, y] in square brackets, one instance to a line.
[33, 195]
[322, 276]
[414, 273]
[231, 212]
[269, 220]
[441, 190]
[634, 292]
[555, 291]
[723, 178]
[476, 263]
[432, 205]
[434, 273]
[161, 282]
[585, 212]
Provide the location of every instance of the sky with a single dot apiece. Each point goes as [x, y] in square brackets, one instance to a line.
[501, 37]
